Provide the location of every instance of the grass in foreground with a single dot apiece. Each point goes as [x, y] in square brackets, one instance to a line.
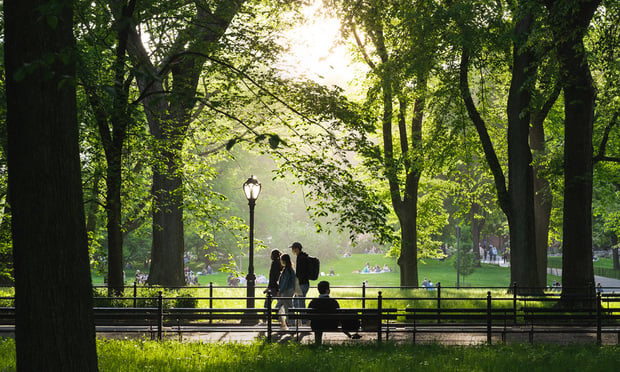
[132, 355]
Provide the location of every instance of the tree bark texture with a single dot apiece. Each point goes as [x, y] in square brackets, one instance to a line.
[543, 198]
[523, 263]
[54, 317]
[569, 22]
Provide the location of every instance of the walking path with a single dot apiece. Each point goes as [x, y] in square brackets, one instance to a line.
[608, 284]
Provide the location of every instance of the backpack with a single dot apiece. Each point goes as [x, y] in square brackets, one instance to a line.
[314, 267]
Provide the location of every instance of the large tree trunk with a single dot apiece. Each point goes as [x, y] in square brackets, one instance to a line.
[569, 25]
[168, 241]
[517, 202]
[523, 268]
[408, 259]
[54, 316]
[543, 199]
[116, 283]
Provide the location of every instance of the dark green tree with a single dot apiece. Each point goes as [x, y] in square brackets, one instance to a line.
[53, 309]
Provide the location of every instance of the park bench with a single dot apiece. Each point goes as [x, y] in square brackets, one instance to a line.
[216, 319]
[369, 319]
[127, 319]
[559, 320]
[461, 320]
[7, 319]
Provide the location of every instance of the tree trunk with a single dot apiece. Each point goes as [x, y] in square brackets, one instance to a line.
[168, 241]
[523, 263]
[116, 283]
[614, 251]
[517, 201]
[569, 25]
[53, 305]
[168, 114]
[543, 198]
[408, 259]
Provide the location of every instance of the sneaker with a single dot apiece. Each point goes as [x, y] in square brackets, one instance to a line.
[356, 336]
[283, 327]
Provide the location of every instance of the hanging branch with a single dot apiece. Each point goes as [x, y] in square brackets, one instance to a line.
[603, 146]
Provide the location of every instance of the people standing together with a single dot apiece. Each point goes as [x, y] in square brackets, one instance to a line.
[287, 283]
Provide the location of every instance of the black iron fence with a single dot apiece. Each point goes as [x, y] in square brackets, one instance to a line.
[383, 312]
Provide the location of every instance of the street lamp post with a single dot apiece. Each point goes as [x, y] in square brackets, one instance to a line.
[251, 188]
[458, 258]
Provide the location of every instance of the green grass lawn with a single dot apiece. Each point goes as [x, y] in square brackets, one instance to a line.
[348, 280]
[345, 269]
[603, 262]
[136, 355]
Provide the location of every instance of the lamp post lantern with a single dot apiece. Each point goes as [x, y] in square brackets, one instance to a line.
[251, 188]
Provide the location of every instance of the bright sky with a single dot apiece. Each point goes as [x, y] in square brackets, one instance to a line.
[315, 52]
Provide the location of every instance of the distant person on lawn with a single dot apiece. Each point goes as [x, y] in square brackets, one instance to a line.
[328, 306]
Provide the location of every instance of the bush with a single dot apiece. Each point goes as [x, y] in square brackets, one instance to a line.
[186, 300]
[146, 297]
[8, 302]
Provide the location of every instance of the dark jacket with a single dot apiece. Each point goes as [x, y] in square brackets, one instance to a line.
[302, 267]
[274, 275]
[327, 305]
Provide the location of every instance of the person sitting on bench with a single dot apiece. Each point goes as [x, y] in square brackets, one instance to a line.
[327, 305]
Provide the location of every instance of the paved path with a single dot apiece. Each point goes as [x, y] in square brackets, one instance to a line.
[608, 284]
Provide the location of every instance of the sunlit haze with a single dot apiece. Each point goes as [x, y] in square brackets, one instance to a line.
[315, 53]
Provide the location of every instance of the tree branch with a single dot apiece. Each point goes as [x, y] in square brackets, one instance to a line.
[487, 145]
[603, 146]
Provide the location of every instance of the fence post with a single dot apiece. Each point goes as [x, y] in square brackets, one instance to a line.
[269, 300]
[438, 302]
[135, 294]
[363, 295]
[599, 339]
[211, 302]
[489, 319]
[379, 318]
[514, 300]
[160, 315]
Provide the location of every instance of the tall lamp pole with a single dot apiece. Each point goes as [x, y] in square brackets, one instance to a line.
[251, 188]
[458, 258]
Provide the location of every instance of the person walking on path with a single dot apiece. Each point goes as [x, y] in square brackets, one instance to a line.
[302, 270]
[274, 275]
[286, 289]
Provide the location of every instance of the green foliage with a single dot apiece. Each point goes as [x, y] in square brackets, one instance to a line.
[466, 262]
[7, 292]
[146, 297]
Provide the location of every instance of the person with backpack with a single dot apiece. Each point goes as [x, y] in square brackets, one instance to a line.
[302, 269]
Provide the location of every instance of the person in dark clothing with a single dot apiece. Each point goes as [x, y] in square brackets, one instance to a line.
[302, 270]
[274, 274]
[328, 306]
